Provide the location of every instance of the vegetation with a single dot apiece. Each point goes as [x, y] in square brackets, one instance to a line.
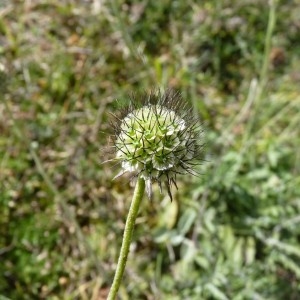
[231, 233]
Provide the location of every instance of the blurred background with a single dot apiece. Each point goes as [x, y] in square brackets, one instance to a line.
[231, 233]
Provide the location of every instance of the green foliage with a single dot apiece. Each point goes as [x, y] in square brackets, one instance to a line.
[232, 233]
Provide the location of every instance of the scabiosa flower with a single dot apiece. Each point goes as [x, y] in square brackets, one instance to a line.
[157, 138]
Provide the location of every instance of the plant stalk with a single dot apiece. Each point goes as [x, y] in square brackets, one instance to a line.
[129, 226]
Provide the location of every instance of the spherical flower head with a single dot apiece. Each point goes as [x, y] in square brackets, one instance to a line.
[158, 138]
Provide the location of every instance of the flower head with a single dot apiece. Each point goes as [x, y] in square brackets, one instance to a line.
[157, 138]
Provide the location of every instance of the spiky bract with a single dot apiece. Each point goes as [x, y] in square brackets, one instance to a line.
[157, 137]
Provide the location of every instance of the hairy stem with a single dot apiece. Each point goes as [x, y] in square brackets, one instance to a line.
[129, 226]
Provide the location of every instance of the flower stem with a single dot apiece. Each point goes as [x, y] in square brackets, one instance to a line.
[129, 226]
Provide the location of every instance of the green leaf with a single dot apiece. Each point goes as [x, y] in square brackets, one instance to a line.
[215, 292]
[186, 221]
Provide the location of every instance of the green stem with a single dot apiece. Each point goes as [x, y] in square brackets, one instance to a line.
[268, 45]
[129, 226]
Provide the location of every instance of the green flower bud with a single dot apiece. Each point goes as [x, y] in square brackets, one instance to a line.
[158, 138]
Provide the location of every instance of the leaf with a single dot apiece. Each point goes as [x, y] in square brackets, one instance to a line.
[202, 262]
[287, 248]
[288, 264]
[186, 221]
[188, 251]
[226, 234]
[176, 239]
[238, 252]
[163, 235]
[250, 250]
[216, 292]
